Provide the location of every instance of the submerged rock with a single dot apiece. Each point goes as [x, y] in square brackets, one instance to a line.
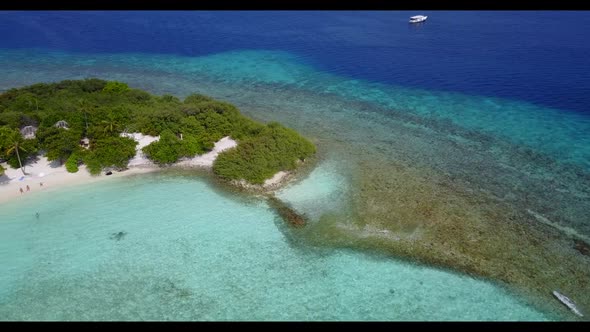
[118, 236]
[286, 212]
[582, 247]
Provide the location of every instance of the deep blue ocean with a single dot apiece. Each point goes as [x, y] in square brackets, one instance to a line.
[536, 56]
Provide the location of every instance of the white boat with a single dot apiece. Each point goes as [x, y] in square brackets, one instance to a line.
[418, 18]
[568, 303]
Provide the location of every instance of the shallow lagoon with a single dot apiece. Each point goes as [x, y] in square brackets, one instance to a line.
[188, 251]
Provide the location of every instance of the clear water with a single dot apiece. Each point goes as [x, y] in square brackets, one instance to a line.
[525, 55]
[492, 105]
[323, 191]
[199, 254]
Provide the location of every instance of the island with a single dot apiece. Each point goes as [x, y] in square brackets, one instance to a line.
[105, 127]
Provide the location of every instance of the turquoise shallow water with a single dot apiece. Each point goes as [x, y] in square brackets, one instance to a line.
[192, 253]
[323, 191]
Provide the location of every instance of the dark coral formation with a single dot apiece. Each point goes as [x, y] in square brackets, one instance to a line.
[286, 212]
[582, 247]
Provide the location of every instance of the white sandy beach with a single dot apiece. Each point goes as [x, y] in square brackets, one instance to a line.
[54, 176]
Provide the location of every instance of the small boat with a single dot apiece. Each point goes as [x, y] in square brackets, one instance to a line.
[568, 303]
[418, 18]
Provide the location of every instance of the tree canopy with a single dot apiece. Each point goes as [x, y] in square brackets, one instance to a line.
[259, 157]
[101, 110]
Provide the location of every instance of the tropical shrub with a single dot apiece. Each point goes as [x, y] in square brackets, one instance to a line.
[258, 158]
[115, 87]
[109, 152]
[167, 150]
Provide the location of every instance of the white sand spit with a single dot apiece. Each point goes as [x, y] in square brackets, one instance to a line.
[275, 180]
[207, 159]
[143, 140]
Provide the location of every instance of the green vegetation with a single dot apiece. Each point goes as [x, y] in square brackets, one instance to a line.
[170, 148]
[100, 110]
[115, 87]
[59, 143]
[74, 160]
[258, 158]
[14, 148]
[109, 152]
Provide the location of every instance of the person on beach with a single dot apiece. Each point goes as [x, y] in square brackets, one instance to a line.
[28, 189]
[40, 184]
[21, 190]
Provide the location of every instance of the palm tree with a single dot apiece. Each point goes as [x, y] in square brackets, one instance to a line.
[31, 103]
[15, 145]
[83, 107]
[111, 124]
